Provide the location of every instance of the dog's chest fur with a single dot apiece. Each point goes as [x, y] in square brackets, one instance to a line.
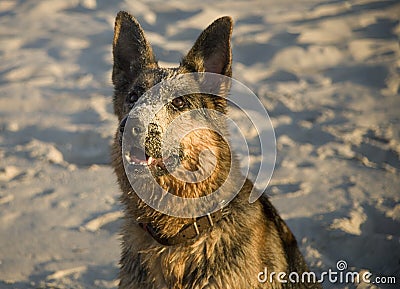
[226, 257]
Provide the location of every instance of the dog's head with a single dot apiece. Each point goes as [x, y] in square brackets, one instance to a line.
[135, 67]
[151, 114]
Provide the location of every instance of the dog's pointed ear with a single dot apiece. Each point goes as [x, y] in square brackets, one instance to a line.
[131, 51]
[212, 50]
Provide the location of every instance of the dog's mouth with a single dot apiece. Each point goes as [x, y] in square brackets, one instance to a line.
[139, 160]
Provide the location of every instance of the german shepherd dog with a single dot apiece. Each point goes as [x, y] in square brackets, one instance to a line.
[226, 249]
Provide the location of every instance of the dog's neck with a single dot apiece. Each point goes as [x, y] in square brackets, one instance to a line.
[189, 232]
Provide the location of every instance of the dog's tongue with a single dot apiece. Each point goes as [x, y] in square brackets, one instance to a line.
[155, 162]
[138, 157]
[136, 160]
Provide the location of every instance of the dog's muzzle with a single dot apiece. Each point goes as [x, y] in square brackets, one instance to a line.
[142, 148]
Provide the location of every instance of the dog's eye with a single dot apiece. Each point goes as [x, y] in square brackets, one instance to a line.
[132, 97]
[178, 102]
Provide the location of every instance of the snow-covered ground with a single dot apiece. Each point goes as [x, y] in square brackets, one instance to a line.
[327, 71]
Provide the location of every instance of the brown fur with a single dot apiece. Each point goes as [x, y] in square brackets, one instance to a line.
[249, 237]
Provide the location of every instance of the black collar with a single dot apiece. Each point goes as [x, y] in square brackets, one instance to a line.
[188, 232]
